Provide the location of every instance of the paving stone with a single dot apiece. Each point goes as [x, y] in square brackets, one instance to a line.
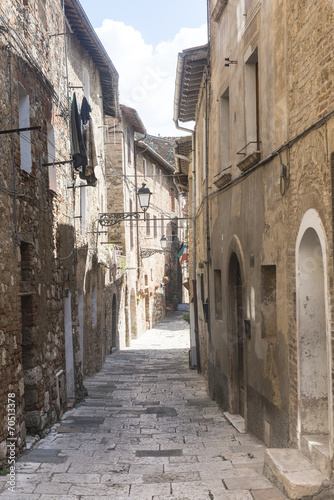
[39, 455]
[158, 453]
[147, 430]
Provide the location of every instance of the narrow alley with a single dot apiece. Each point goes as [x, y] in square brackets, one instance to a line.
[147, 431]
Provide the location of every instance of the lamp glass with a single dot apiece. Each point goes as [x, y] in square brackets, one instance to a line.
[144, 195]
[163, 242]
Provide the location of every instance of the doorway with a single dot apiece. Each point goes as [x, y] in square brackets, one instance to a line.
[312, 336]
[237, 373]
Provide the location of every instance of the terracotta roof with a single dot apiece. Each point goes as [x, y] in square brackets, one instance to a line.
[155, 156]
[164, 146]
[86, 35]
[190, 69]
[133, 118]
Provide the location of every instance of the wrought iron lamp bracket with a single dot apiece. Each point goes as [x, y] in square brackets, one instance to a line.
[149, 252]
[113, 218]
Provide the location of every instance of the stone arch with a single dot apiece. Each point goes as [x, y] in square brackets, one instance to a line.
[313, 328]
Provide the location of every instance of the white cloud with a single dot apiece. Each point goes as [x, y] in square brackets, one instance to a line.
[147, 74]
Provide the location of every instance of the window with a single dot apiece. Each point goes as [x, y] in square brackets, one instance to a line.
[172, 199]
[129, 145]
[148, 225]
[51, 157]
[225, 129]
[24, 122]
[154, 174]
[82, 191]
[218, 293]
[162, 225]
[252, 103]
[268, 301]
[86, 83]
[145, 167]
[94, 305]
[155, 228]
[131, 227]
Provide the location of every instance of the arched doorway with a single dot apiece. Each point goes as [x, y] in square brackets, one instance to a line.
[236, 343]
[133, 314]
[114, 322]
[312, 335]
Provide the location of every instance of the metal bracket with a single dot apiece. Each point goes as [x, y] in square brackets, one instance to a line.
[149, 252]
[113, 218]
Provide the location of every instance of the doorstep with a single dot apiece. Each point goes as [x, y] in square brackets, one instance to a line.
[293, 473]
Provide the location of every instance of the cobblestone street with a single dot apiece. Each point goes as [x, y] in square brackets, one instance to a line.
[146, 431]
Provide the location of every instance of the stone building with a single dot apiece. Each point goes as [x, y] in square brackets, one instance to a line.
[261, 182]
[54, 269]
[143, 284]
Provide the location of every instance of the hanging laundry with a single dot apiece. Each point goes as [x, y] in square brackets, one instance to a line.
[77, 143]
[85, 111]
[92, 160]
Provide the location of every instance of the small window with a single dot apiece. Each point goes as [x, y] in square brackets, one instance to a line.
[155, 227]
[52, 158]
[172, 199]
[131, 227]
[24, 122]
[225, 129]
[94, 305]
[154, 174]
[162, 225]
[82, 190]
[148, 225]
[218, 294]
[268, 301]
[129, 145]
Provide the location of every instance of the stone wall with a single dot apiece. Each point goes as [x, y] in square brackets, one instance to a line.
[50, 261]
[250, 347]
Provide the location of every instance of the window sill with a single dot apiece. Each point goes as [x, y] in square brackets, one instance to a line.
[271, 340]
[249, 161]
[222, 180]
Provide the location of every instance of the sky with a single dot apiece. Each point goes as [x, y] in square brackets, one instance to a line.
[142, 39]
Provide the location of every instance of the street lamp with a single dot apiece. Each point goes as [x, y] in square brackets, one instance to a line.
[163, 242]
[113, 218]
[144, 195]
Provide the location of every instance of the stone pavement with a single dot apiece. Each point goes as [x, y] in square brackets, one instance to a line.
[146, 431]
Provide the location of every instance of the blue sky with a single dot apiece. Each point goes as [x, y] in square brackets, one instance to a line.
[143, 39]
[156, 20]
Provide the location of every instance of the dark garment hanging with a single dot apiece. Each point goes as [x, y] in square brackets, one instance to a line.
[91, 154]
[85, 111]
[78, 147]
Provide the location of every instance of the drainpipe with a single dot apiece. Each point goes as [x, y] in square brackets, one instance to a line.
[194, 336]
[136, 188]
[208, 243]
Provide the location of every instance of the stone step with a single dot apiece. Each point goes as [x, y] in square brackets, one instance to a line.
[293, 473]
[316, 448]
